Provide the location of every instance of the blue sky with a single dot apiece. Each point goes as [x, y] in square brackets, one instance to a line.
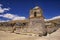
[21, 8]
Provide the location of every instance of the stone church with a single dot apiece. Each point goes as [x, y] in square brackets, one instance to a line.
[34, 25]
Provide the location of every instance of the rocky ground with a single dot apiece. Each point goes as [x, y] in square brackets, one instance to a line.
[13, 36]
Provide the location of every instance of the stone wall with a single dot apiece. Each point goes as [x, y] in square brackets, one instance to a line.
[5, 26]
[52, 27]
[37, 26]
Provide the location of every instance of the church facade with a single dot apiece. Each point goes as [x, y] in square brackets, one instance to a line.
[36, 23]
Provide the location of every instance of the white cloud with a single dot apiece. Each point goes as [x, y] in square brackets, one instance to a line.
[57, 17]
[6, 9]
[1, 5]
[2, 10]
[12, 17]
[8, 15]
[1, 15]
[4, 20]
[19, 18]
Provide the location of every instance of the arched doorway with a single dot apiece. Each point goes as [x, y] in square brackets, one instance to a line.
[35, 14]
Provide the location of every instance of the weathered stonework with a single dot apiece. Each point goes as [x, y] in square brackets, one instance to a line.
[34, 25]
[36, 22]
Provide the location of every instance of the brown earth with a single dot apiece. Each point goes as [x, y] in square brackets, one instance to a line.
[13, 36]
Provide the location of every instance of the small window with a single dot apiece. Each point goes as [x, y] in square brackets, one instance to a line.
[34, 14]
